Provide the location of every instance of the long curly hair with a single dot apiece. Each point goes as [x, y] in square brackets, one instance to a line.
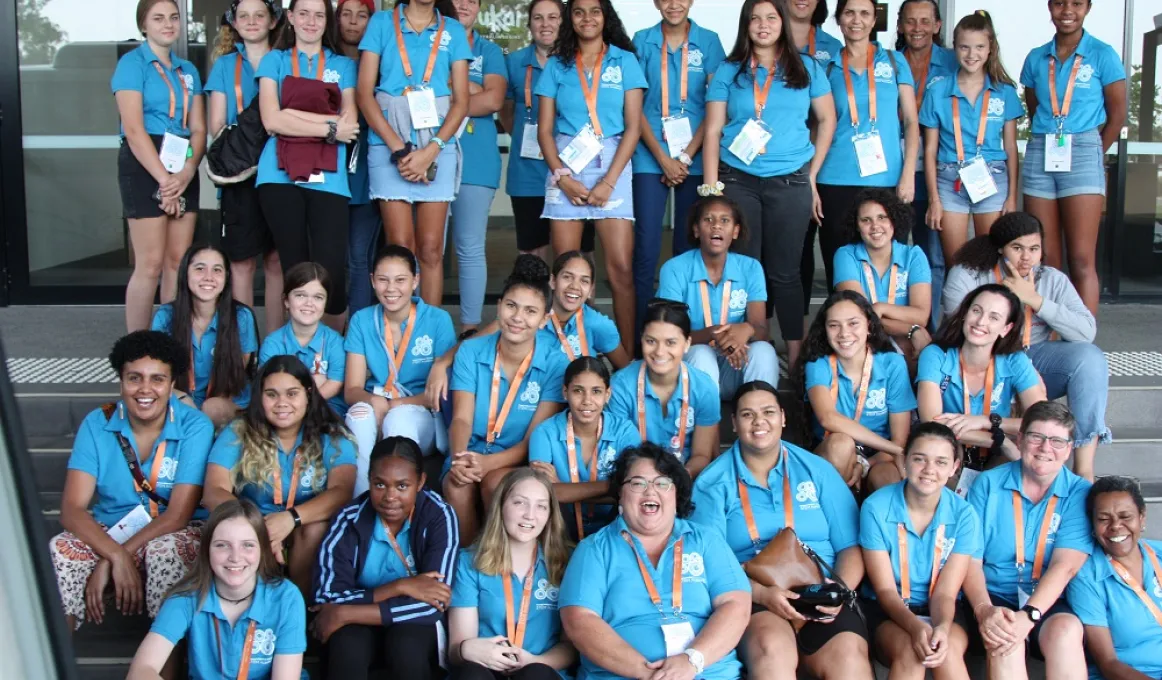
[790, 63]
[899, 213]
[951, 333]
[492, 553]
[612, 32]
[983, 252]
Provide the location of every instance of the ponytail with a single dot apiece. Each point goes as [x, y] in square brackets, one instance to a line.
[981, 20]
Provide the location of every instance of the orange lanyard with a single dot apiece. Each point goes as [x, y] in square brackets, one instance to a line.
[295, 63]
[987, 407]
[1061, 111]
[406, 61]
[905, 580]
[984, 121]
[238, 80]
[318, 365]
[864, 381]
[580, 316]
[395, 356]
[665, 65]
[871, 87]
[752, 527]
[529, 90]
[158, 461]
[590, 90]
[1137, 587]
[870, 278]
[173, 96]
[1042, 535]
[395, 545]
[496, 423]
[676, 592]
[1027, 331]
[574, 472]
[516, 629]
[276, 478]
[247, 645]
[760, 95]
[811, 42]
[471, 40]
[683, 425]
[724, 308]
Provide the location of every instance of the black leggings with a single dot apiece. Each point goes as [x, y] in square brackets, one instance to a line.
[837, 201]
[407, 652]
[309, 225]
[533, 671]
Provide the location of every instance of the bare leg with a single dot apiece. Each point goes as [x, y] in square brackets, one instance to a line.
[894, 649]
[840, 451]
[983, 222]
[148, 238]
[429, 250]
[272, 298]
[1046, 210]
[179, 236]
[617, 245]
[1083, 457]
[303, 553]
[953, 234]
[220, 410]
[1080, 222]
[465, 500]
[565, 235]
[844, 657]
[398, 226]
[769, 647]
[242, 280]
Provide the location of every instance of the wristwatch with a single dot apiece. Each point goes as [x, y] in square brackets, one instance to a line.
[699, 662]
[1033, 612]
[996, 431]
[685, 158]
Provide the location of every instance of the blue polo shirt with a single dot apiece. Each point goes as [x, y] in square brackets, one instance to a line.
[221, 79]
[826, 516]
[383, 564]
[203, 349]
[785, 116]
[434, 335]
[135, 71]
[704, 408]
[603, 577]
[703, 56]
[826, 46]
[681, 280]
[312, 481]
[1100, 66]
[936, 112]
[941, 61]
[620, 72]
[991, 496]
[188, 435]
[525, 176]
[1101, 598]
[323, 355]
[600, 333]
[841, 166]
[479, 138]
[885, 510]
[277, 610]
[472, 372]
[911, 268]
[1014, 374]
[548, 444]
[889, 391]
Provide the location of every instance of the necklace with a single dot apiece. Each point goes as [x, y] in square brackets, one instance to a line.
[238, 601]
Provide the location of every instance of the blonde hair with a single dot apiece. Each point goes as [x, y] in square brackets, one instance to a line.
[492, 553]
[259, 456]
[980, 20]
[225, 43]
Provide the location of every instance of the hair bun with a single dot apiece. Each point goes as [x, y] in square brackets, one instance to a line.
[530, 269]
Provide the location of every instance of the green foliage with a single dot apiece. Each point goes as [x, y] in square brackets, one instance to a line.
[39, 36]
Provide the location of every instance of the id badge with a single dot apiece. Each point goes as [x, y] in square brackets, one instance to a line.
[978, 180]
[676, 446]
[750, 142]
[677, 133]
[422, 106]
[1058, 153]
[530, 147]
[678, 637]
[869, 151]
[581, 151]
[967, 477]
[315, 178]
[174, 151]
[129, 525]
[1022, 597]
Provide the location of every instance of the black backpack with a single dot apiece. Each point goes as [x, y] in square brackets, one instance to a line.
[233, 155]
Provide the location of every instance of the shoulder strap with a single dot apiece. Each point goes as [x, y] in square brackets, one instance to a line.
[131, 460]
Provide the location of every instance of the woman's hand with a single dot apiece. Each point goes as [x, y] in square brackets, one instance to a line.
[1010, 205]
[279, 525]
[674, 171]
[935, 214]
[347, 129]
[732, 337]
[938, 643]
[414, 166]
[599, 194]
[427, 588]
[921, 635]
[677, 667]
[816, 204]
[996, 627]
[576, 191]
[906, 189]
[961, 424]
[1023, 288]
[329, 618]
[493, 653]
[436, 389]
[547, 469]
[776, 601]
[176, 184]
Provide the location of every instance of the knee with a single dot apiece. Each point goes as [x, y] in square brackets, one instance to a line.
[430, 252]
[881, 475]
[492, 480]
[360, 420]
[1061, 636]
[839, 450]
[150, 263]
[705, 359]
[1091, 363]
[771, 649]
[846, 657]
[763, 362]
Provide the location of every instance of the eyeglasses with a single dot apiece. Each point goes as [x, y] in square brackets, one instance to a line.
[1056, 443]
[640, 484]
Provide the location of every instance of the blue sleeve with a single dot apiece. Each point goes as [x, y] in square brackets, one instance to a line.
[355, 343]
[928, 117]
[639, 41]
[901, 399]
[340, 452]
[1110, 67]
[820, 85]
[1086, 600]
[267, 350]
[586, 579]
[464, 371]
[871, 534]
[128, 75]
[903, 71]
[840, 509]
[247, 331]
[969, 538]
[710, 506]
[622, 401]
[195, 449]
[719, 89]
[709, 410]
[459, 50]
[162, 319]
[292, 621]
[1075, 531]
[441, 547]
[723, 572]
[466, 593]
[552, 390]
[271, 66]
[632, 76]
[1029, 69]
[846, 266]
[978, 497]
[336, 360]
[756, 281]
[547, 84]
[919, 271]
[818, 373]
[713, 55]
[444, 337]
[541, 442]
[604, 332]
[928, 369]
[227, 449]
[670, 284]
[85, 456]
[192, 71]
[373, 38]
[174, 618]
[1014, 107]
[348, 74]
[510, 88]
[217, 81]
[494, 61]
[1024, 375]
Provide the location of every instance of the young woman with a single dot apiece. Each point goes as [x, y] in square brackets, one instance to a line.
[771, 176]
[918, 540]
[595, 137]
[730, 340]
[317, 345]
[578, 329]
[493, 631]
[413, 91]
[1075, 119]
[879, 265]
[679, 58]
[674, 406]
[805, 19]
[503, 385]
[971, 163]
[384, 575]
[858, 390]
[244, 38]
[217, 332]
[291, 456]
[1057, 329]
[391, 348]
[136, 543]
[740, 495]
[159, 99]
[576, 449]
[236, 584]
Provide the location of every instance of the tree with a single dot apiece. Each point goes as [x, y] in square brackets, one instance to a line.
[39, 36]
[1134, 97]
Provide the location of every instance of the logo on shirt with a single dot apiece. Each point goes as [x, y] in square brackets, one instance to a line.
[188, 79]
[330, 76]
[945, 545]
[422, 346]
[1054, 524]
[822, 55]
[692, 565]
[694, 58]
[1085, 73]
[531, 393]
[877, 401]
[574, 344]
[264, 640]
[169, 469]
[883, 71]
[901, 282]
[605, 462]
[612, 75]
[411, 562]
[307, 480]
[996, 107]
[445, 39]
[998, 392]
[805, 493]
[934, 79]
[738, 299]
[1157, 585]
[477, 65]
[546, 591]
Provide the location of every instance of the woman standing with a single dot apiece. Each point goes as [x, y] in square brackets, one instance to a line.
[770, 176]
[1076, 117]
[805, 23]
[163, 138]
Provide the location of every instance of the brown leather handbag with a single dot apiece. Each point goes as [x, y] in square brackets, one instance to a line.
[784, 563]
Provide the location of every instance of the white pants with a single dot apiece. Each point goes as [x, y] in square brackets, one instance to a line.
[762, 363]
[409, 420]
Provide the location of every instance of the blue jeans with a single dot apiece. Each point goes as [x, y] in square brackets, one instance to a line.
[762, 363]
[1078, 370]
[929, 242]
[649, 207]
[468, 219]
[363, 234]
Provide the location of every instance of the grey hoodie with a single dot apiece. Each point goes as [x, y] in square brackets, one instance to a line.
[1062, 309]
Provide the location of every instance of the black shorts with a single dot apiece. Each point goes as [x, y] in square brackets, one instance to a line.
[876, 616]
[813, 636]
[139, 188]
[532, 231]
[976, 643]
[245, 233]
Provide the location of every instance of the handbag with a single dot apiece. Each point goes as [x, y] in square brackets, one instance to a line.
[234, 153]
[790, 564]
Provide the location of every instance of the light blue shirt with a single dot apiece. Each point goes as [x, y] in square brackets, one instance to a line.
[383, 564]
[434, 335]
[703, 56]
[911, 269]
[227, 453]
[841, 166]
[1101, 598]
[603, 577]
[1014, 374]
[826, 46]
[785, 116]
[936, 112]
[525, 176]
[889, 391]
[323, 355]
[879, 521]
[600, 333]
[337, 69]
[221, 79]
[277, 610]
[941, 61]
[548, 444]
[203, 348]
[380, 39]
[1100, 66]
[188, 435]
[992, 498]
[682, 277]
[135, 71]
[620, 72]
[704, 408]
[479, 138]
[825, 513]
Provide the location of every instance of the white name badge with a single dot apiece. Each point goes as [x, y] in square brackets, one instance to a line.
[967, 477]
[422, 106]
[315, 178]
[129, 525]
[581, 151]
[1058, 153]
[750, 142]
[530, 147]
[978, 180]
[677, 133]
[678, 637]
[869, 152]
[173, 152]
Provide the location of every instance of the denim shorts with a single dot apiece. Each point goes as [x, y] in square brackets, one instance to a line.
[955, 201]
[620, 204]
[1087, 173]
[386, 183]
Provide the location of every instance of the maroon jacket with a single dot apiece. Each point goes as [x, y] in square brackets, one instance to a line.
[301, 157]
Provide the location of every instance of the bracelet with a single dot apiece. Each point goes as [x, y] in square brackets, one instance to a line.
[912, 330]
[439, 142]
[606, 183]
[295, 515]
[397, 156]
[332, 129]
[558, 174]
[711, 189]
